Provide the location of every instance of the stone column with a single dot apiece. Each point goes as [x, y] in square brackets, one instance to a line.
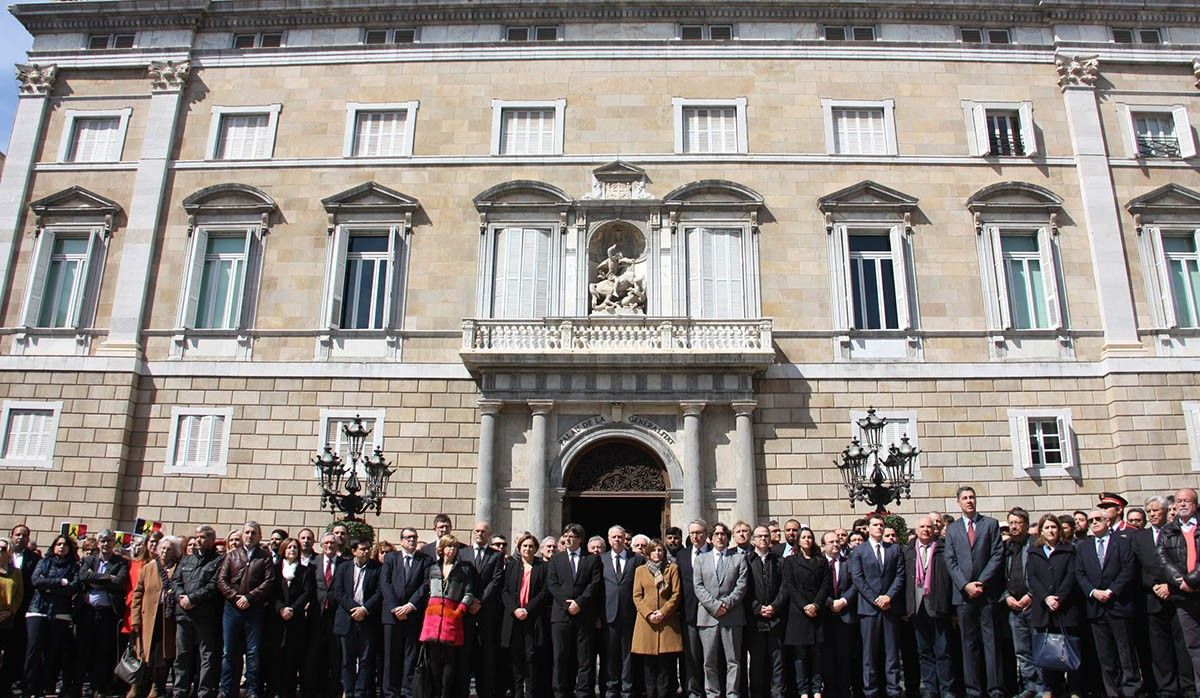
[1101, 218]
[538, 512]
[746, 506]
[485, 483]
[693, 478]
[167, 80]
[36, 83]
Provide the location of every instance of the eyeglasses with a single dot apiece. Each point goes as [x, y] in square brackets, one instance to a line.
[721, 533]
[411, 536]
[1094, 519]
[762, 535]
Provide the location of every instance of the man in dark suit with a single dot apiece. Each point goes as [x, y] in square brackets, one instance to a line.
[359, 600]
[442, 526]
[877, 569]
[767, 601]
[575, 585]
[1105, 572]
[1171, 667]
[25, 559]
[482, 627]
[404, 596]
[1178, 552]
[619, 614]
[100, 606]
[974, 557]
[692, 676]
[791, 539]
[841, 650]
[1018, 602]
[927, 602]
[323, 668]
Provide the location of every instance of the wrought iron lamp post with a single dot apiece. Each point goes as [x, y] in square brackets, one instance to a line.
[334, 475]
[873, 474]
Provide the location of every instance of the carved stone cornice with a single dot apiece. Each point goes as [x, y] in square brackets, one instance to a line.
[36, 80]
[168, 76]
[1196, 71]
[1077, 71]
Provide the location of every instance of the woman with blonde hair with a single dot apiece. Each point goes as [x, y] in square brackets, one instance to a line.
[450, 583]
[656, 634]
[153, 618]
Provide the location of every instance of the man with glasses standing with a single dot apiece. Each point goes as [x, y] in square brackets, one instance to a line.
[692, 674]
[104, 577]
[482, 627]
[1178, 551]
[404, 596]
[322, 671]
[1105, 572]
[720, 578]
[1162, 654]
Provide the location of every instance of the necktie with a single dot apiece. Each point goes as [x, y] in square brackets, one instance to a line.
[617, 565]
[1100, 550]
[833, 573]
[879, 554]
[328, 572]
[407, 566]
[574, 564]
[478, 558]
[971, 532]
[720, 567]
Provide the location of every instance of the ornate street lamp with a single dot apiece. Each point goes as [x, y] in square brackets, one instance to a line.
[871, 476]
[334, 475]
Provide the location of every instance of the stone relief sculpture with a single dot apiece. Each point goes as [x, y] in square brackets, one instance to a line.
[619, 289]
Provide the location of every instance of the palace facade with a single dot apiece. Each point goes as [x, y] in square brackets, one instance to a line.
[597, 261]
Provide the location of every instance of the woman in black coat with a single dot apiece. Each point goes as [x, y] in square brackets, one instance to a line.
[295, 590]
[1057, 603]
[451, 579]
[48, 621]
[526, 604]
[806, 578]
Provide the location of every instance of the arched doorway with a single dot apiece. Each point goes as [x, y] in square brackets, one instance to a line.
[617, 482]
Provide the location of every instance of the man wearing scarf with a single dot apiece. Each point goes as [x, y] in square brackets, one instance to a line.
[928, 603]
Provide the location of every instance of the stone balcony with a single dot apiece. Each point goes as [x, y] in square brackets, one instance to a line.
[618, 341]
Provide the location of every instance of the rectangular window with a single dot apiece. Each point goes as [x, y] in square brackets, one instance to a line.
[380, 133]
[1155, 135]
[63, 280]
[716, 278]
[873, 282]
[96, 140]
[859, 132]
[365, 289]
[850, 33]
[222, 281]
[710, 130]
[1025, 281]
[977, 35]
[706, 32]
[1000, 129]
[1191, 422]
[27, 434]
[1004, 133]
[542, 33]
[1136, 36]
[198, 442]
[1042, 443]
[258, 40]
[390, 36]
[330, 433]
[897, 425]
[1183, 271]
[103, 41]
[244, 137]
[527, 132]
[521, 280]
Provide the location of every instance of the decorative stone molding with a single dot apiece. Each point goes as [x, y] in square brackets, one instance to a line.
[36, 80]
[1196, 71]
[1077, 71]
[168, 76]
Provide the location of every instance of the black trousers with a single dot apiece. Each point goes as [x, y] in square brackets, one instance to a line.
[400, 644]
[1115, 655]
[321, 674]
[692, 677]
[658, 668]
[13, 646]
[197, 657]
[618, 658]
[525, 655]
[574, 662]
[766, 662]
[358, 661]
[843, 659]
[50, 641]
[482, 644]
[977, 623]
[97, 632]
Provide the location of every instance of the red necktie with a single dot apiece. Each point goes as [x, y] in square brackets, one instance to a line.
[328, 572]
[971, 532]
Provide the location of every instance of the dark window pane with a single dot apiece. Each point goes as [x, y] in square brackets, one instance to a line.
[870, 243]
[1150, 36]
[375, 36]
[998, 36]
[97, 41]
[691, 32]
[368, 243]
[123, 41]
[835, 33]
[864, 33]
[972, 36]
[274, 40]
[721, 33]
[889, 295]
[243, 41]
[405, 36]
[871, 296]
[547, 33]
[517, 34]
[1123, 36]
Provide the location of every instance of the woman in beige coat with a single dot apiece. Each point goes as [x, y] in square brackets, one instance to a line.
[656, 635]
[152, 618]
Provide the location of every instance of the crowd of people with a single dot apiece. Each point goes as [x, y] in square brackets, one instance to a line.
[956, 606]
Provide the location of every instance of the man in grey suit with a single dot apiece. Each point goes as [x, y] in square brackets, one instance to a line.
[877, 569]
[720, 580]
[975, 557]
[619, 614]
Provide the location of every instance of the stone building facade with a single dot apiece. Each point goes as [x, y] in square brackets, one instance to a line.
[596, 261]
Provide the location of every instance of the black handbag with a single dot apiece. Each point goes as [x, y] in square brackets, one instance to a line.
[422, 681]
[130, 668]
[1057, 651]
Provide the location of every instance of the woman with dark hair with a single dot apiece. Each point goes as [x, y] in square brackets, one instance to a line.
[806, 578]
[143, 552]
[1066, 528]
[295, 589]
[657, 637]
[153, 617]
[524, 631]
[48, 621]
[1057, 603]
[450, 582]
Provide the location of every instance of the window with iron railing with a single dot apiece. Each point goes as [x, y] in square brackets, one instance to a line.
[1155, 136]
[1004, 133]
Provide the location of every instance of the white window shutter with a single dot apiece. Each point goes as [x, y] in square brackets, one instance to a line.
[900, 275]
[1028, 135]
[1001, 300]
[1183, 132]
[847, 303]
[392, 265]
[74, 313]
[1050, 278]
[216, 437]
[337, 277]
[1018, 429]
[1065, 442]
[538, 271]
[1163, 271]
[191, 289]
[983, 144]
[701, 272]
[36, 290]
[249, 250]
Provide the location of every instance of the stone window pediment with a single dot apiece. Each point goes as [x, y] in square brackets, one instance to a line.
[369, 200]
[236, 200]
[75, 204]
[1167, 200]
[1014, 197]
[867, 196]
[714, 197]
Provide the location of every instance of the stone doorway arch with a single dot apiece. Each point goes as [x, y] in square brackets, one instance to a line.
[617, 481]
